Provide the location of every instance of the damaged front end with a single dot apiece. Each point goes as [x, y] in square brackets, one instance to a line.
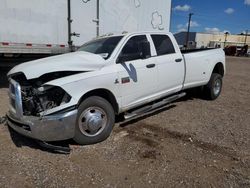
[38, 100]
[31, 102]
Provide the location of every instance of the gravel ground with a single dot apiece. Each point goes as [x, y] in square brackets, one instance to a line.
[191, 143]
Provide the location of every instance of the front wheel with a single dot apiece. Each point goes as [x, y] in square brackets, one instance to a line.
[214, 87]
[95, 121]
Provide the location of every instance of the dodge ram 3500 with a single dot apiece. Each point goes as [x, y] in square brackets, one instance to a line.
[78, 95]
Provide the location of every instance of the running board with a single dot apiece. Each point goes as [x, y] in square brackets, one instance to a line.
[152, 107]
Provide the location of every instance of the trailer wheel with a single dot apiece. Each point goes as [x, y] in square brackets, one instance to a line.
[95, 121]
[214, 87]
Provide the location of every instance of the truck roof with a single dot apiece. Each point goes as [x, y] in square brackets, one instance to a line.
[132, 33]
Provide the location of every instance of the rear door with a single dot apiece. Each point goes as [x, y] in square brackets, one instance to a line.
[170, 65]
[137, 76]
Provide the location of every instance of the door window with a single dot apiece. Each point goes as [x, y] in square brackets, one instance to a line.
[132, 49]
[163, 44]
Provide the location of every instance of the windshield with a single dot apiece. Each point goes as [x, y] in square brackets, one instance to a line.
[103, 46]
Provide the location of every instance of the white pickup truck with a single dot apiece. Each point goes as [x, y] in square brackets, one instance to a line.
[78, 95]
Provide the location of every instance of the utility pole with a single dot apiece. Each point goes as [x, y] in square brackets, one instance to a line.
[189, 22]
[226, 34]
[245, 42]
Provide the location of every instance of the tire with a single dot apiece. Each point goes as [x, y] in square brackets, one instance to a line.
[213, 88]
[95, 121]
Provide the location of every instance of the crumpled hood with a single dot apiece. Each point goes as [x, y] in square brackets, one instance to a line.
[77, 61]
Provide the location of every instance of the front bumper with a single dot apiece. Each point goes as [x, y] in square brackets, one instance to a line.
[48, 128]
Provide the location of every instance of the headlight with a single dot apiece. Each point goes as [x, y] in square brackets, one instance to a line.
[44, 88]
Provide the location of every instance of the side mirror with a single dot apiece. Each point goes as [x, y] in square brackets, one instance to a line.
[145, 48]
[122, 58]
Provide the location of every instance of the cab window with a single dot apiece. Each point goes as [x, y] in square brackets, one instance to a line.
[132, 49]
[163, 44]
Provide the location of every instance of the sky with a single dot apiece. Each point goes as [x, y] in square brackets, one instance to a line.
[211, 16]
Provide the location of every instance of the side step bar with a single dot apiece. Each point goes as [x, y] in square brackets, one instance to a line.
[154, 106]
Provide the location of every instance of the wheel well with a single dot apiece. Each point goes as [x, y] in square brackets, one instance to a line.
[104, 93]
[219, 68]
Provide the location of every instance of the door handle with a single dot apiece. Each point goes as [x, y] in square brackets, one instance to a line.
[150, 66]
[178, 60]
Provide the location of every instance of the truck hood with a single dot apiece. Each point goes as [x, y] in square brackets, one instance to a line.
[77, 61]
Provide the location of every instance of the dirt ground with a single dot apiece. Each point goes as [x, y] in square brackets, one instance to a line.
[190, 143]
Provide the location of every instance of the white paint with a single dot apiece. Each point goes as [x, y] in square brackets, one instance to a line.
[134, 15]
[146, 84]
[29, 21]
[199, 66]
[45, 21]
[77, 61]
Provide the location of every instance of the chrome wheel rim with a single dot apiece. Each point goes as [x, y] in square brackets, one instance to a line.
[217, 87]
[92, 121]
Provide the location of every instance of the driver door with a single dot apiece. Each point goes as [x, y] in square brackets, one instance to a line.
[137, 75]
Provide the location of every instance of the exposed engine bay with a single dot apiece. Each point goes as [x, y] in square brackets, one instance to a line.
[37, 98]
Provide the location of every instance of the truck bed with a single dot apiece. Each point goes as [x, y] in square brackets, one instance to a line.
[198, 65]
[195, 50]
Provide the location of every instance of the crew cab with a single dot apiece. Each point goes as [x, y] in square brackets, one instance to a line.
[78, 95]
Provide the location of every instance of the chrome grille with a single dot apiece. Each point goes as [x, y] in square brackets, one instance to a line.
[15, 98]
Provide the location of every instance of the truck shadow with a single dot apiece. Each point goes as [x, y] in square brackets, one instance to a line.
[191, 94]
[147, 115]
[3, 78]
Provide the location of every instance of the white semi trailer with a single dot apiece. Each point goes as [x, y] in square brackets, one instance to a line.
[41, 26]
